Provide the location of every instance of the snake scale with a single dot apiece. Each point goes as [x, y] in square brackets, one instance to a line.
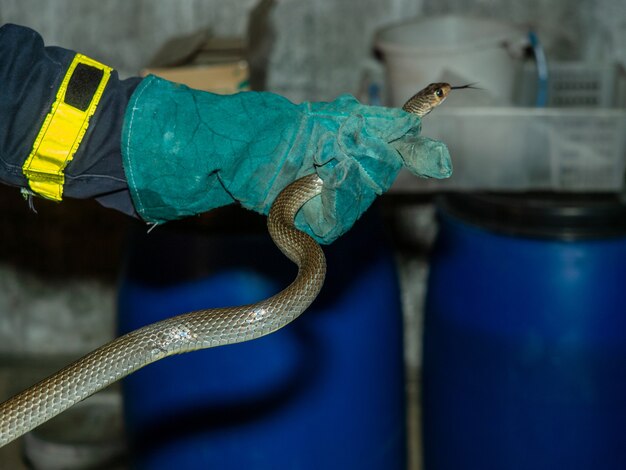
[200, 329]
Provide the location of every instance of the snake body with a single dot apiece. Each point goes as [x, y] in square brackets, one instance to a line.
[195, 330]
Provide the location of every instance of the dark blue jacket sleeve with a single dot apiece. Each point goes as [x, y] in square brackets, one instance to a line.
[30, 75]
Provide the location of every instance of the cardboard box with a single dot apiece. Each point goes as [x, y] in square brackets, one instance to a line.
[202, 61]
[217, 78]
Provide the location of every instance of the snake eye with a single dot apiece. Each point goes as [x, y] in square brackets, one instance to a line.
[439, 93]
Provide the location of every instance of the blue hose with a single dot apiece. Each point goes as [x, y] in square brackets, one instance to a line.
[541, 100]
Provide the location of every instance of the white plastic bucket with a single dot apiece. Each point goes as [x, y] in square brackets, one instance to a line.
[448, 48]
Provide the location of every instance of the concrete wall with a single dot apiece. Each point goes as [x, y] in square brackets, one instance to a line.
[319, 49]
[124, 33]
[320, 46]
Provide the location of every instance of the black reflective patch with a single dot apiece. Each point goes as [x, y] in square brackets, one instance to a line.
[82, 86]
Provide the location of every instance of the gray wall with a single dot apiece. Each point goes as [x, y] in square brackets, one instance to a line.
[321, 46]
[124, 33]
[319, 49]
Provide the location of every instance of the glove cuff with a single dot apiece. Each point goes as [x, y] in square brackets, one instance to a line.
[164, 183]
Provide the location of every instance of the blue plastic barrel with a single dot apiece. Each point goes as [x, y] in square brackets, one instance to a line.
[326, 392]
[525, 335]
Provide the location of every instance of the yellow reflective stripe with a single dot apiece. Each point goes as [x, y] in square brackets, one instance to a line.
[60, 135]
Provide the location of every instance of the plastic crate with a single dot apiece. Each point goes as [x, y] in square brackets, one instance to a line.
[575, 84]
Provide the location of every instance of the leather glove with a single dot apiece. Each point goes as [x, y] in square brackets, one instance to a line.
[186, 151]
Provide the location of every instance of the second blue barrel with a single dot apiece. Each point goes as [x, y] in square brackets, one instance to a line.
[325, 392]
[525, 334]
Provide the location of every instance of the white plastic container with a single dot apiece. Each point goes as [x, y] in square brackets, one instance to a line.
[448, 48]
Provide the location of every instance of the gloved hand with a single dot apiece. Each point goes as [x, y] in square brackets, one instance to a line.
[187, 151]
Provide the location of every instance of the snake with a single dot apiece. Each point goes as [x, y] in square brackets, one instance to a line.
[200, 329]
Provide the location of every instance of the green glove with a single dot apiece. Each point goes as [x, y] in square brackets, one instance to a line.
[187, 151]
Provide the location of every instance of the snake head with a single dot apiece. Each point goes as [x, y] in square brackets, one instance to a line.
[428, 99]
[432, 96]
[437, 92]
